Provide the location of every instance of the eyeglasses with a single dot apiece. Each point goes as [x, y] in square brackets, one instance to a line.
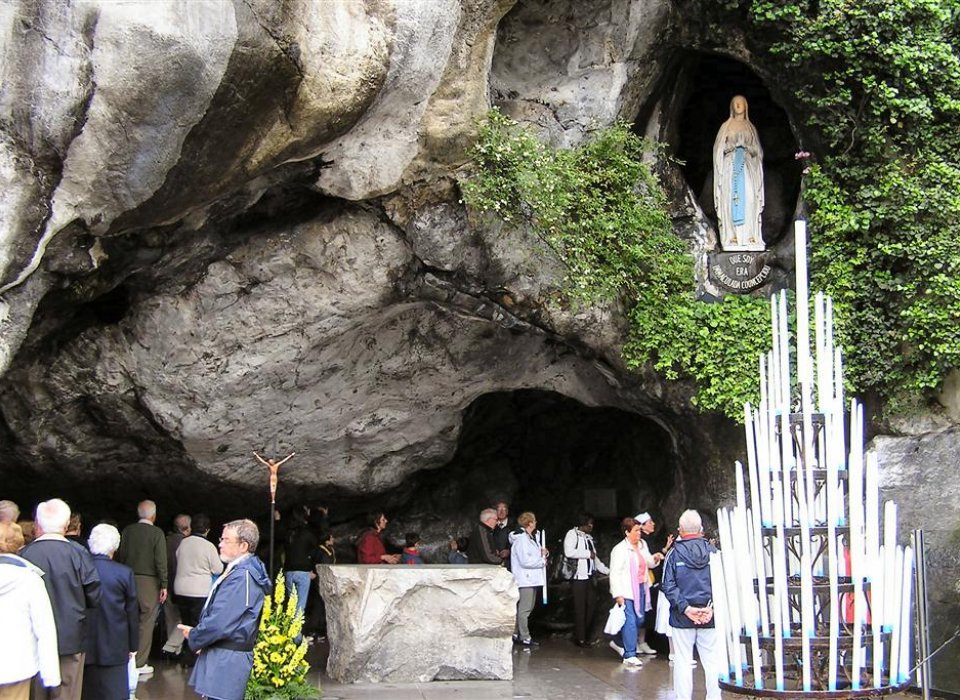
[227, 540]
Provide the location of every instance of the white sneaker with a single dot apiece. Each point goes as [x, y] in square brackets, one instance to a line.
[633, 661]
[616, 647]
[693, 662]
[646, 649]
[145, 669]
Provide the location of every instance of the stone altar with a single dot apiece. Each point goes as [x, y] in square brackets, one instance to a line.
[418, 623]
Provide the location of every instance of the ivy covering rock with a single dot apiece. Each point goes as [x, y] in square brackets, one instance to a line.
[601, 211]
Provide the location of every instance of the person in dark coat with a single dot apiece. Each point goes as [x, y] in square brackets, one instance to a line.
[225, 636]
[301, 551]
[502, 530]
[114, 627]
[686, 584]
[73, 585]
[482, 549]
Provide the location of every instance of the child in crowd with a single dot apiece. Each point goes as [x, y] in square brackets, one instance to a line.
[411, 553]
[327, 553]
[458, 551]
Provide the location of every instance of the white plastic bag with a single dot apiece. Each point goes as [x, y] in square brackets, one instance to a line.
[133, 675]
[615, 620]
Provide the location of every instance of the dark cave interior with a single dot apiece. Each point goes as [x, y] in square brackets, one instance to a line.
[538, 450]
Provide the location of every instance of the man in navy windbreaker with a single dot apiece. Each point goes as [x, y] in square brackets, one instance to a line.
[686, 584]
[227, 631]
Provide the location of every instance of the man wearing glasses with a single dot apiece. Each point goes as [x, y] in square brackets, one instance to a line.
[227, 631]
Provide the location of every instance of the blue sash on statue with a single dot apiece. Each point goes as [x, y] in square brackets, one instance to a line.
[738, 195]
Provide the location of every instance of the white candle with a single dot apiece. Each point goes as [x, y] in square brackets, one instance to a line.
[905, 609]
[824, 380]
[784, 337]
[834, 622]
[748, 602]
[838, 402]
[786, 463]
[803, 301]
[732, 591]
[760, 572]
[889, 564]
[779, 584]
[543, 539]
[782, 603]
[806, 619]
[774, 355]
[876, 623]
[720, 622]
[741, 490]
[858, 615]
[835, 352]
[893, 618]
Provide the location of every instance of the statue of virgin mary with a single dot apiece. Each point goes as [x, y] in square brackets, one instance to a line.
[738, 180]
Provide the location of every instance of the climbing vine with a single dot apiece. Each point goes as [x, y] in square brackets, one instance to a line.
[600, 209]
[879, 83]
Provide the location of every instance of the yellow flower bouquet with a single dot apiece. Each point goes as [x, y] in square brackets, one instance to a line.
[279, 666]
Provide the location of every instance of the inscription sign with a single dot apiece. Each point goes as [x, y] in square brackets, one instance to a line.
[739, 272]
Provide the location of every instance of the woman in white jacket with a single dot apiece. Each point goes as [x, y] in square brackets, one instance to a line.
[630, 585]
[578, 545]
[28, 645]
[528, 562]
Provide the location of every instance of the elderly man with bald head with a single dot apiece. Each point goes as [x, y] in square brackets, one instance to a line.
[143, 548]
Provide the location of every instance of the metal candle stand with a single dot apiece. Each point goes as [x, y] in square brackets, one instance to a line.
[812, 593]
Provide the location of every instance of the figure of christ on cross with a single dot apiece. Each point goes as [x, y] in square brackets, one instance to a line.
[274, 468]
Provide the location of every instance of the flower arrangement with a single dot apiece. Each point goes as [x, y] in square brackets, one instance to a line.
[279, 666]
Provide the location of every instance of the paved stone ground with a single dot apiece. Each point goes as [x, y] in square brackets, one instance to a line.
[557, 670]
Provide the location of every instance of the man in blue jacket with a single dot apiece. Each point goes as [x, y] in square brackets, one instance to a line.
[227, 631]
[686, 584]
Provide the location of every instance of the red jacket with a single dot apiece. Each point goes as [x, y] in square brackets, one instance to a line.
[370, 548]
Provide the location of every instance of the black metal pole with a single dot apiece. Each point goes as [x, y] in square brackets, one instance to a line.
[272, 519]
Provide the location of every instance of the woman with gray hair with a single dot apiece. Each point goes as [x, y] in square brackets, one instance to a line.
[113, 628]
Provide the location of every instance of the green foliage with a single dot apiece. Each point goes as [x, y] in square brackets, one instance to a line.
[599, 208]
[879, 81]
[279, 666]
[716, 344]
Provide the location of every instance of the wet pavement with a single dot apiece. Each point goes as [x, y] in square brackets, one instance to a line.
[558, 670]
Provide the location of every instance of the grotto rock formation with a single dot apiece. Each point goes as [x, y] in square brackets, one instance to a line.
[235, 225]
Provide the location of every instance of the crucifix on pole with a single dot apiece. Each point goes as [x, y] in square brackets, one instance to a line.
[274, 467]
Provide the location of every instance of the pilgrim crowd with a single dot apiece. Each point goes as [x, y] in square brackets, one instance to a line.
[80, 615]
[666, 590]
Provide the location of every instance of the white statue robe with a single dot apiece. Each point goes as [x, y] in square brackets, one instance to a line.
[738, 185]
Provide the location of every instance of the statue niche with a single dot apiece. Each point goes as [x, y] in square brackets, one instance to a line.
[738, 180]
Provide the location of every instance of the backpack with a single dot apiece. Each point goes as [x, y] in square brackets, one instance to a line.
[562, 567]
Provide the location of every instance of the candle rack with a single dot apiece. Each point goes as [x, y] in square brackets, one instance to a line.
[812, 592]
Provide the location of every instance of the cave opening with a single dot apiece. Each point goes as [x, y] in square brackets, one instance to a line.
[539, 450]
[708, 83]
[550, 454]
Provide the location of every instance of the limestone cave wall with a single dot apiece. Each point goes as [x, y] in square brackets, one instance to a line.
[235, 226]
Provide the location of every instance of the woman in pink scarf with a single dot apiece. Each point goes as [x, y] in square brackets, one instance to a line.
[630, 585]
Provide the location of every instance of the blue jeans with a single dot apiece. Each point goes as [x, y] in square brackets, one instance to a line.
[298, 581]
[631, 627]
